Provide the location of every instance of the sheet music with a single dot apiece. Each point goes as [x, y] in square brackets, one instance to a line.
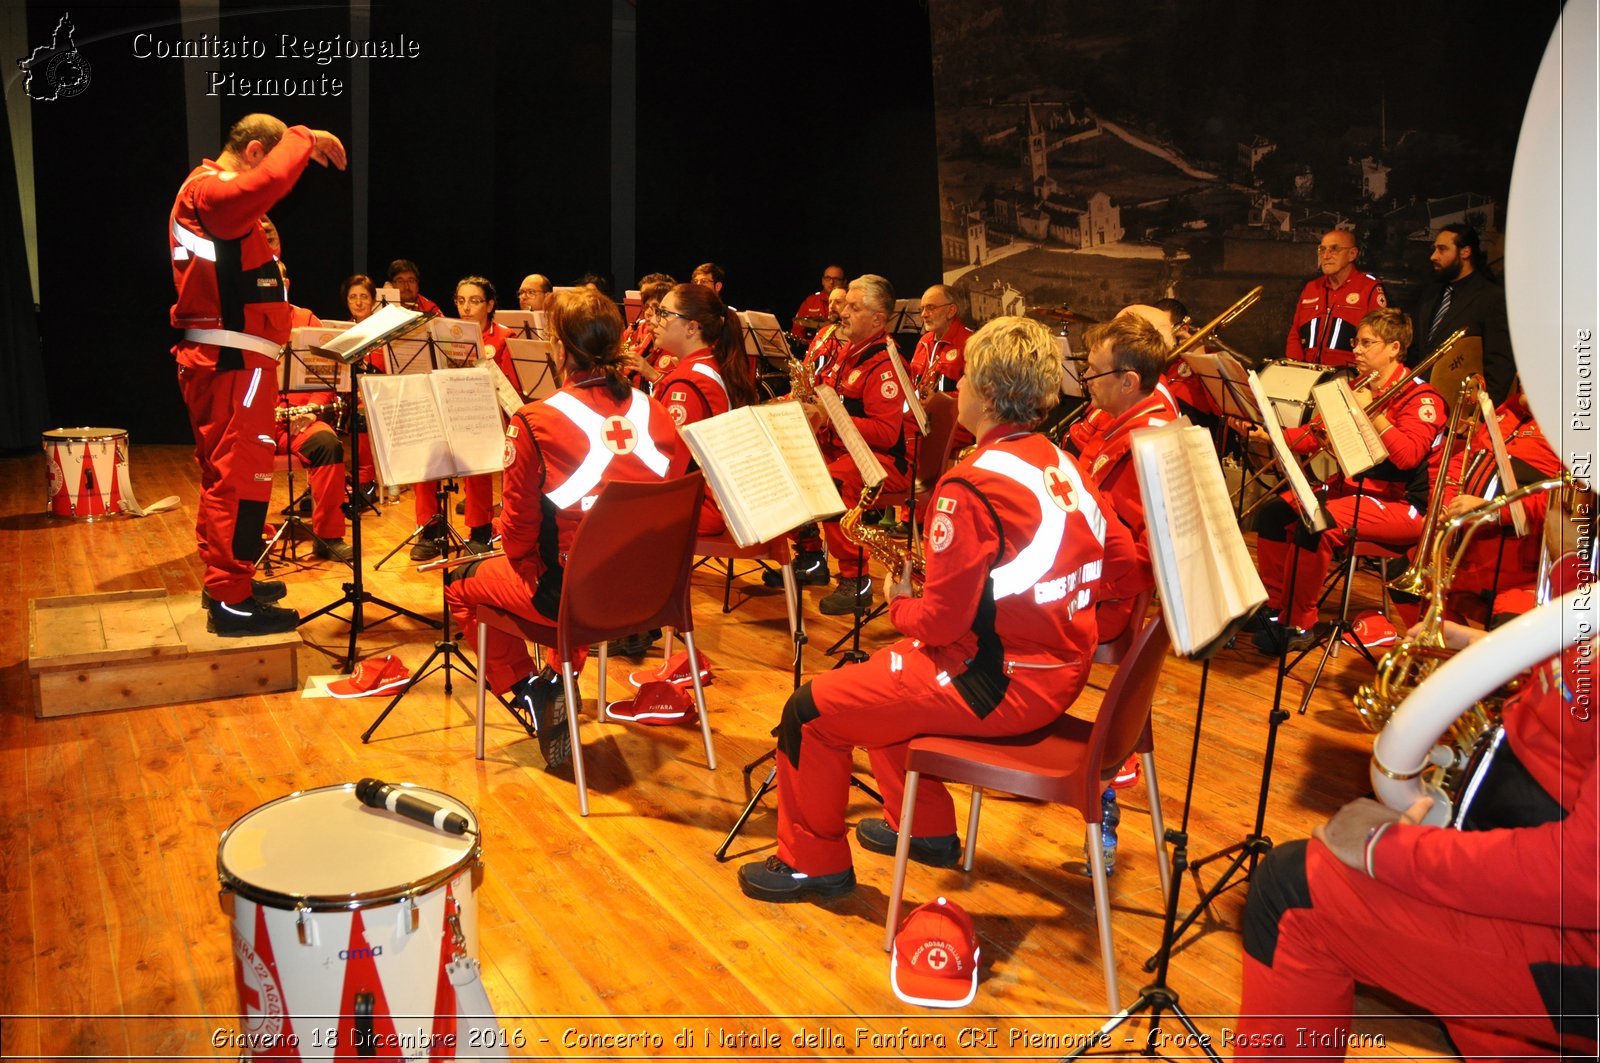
[1502, 461]
[309, 371]
[1355, 442]
[763, 336]
[460, 343]
[845, 429]
[535, 361]
[913, 403]
[508, 397]
[385, 323]
[471, 415]
[790, 430]
[1224, 379]
[1298, 483]
[408, 440]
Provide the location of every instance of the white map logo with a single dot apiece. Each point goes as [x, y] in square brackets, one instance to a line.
[56, 71]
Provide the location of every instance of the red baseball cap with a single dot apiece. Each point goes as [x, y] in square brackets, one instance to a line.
[674, 670]
[373, 676]
[657, 703]
[935, 962]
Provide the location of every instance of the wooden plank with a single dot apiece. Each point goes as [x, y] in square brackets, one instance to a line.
[135, 684]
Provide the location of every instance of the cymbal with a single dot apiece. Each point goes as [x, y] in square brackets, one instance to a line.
[1060, 314]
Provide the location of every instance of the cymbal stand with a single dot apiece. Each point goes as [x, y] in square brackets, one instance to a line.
[355, 593]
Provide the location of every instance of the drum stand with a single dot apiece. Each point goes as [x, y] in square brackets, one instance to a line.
[355, 592]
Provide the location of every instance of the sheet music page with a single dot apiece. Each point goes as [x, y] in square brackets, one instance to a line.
[843, 427]
[409, 356]
[1178, 550]
[471, 415]
[791, 434]
[1336, 405]
[1280, 447]
[507, 396]
[310, 371]
[403, 419]
[459, 342]
[1502, 462]
[1242, 588]
[751, 482]
[918, 412]
[386, 323]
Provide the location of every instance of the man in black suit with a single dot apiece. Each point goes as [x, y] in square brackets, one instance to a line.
[1466, 297]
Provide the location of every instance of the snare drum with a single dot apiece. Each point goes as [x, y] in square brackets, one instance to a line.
[81, 470]
[345, 919]
[1288, 384]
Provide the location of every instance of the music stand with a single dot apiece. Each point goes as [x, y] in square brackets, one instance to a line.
[286, 538]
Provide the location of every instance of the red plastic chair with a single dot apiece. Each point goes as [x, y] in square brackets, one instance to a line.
[628, 570]
[1067, 763]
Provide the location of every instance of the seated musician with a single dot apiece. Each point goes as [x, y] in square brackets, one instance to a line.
[1492, 927]
[405, 278]
[645, 360]
[941, 350]
[1097, 420]
[559, 453]
[1392, 494]
[813, 312]
[475, 302]
[827, 345]
[986, 652]
[1497, 577]
[359, 296]
[866, 383]
[709, 373]
[535, 292]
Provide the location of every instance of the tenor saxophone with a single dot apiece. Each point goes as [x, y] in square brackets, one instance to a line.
[880, 544]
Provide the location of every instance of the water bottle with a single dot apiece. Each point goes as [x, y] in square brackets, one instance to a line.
[1110, 816]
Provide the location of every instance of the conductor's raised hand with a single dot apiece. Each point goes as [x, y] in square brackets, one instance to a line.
[327, 148]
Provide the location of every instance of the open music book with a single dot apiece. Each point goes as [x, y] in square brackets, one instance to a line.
[386, 323]
[919, 413]
[763, 466]
[1351, 436]
[427, 426]
[1207, 581]
[1312, 512]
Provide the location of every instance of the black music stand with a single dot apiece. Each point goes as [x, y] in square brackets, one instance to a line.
[289, 532]
[355, 593]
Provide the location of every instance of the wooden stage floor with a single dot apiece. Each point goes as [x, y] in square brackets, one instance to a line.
[114, 945]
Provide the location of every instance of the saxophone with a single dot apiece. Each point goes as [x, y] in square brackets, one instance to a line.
[928, 381]
[803, 371]
[879, 544]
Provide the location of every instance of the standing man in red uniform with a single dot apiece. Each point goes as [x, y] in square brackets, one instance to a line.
[813, 312]
[997, 644]
[235, 316]
[1391, 495]
[1332, 305]
[559, 453]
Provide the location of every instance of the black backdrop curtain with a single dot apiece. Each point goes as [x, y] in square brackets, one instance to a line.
[24, 412]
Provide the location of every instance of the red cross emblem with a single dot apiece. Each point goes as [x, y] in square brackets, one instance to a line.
[1059, 485]
[938, 958]
[941, 532]
[619, 436]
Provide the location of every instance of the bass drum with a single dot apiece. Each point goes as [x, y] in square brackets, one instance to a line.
[350, 925]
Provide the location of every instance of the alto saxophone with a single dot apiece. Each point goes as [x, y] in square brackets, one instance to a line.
[880, 544]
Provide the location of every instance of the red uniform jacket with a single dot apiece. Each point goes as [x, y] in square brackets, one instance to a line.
[1107, 457]
[865, 381]
[222, 266]
[693, 389]
[1015, 549]
[815, 306]
[559, 452]
[1325, 320]
[949, 354]
[1417, 418]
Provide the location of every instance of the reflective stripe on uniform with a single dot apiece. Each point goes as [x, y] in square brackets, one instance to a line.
[1034, 561]
[586, 477]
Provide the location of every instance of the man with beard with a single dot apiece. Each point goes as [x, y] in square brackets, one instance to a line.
[1467, 297]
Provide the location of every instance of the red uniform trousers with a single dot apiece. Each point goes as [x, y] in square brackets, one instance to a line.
[852, 559]
[882, 704]
[319, 451]
[495, 582]
[1390, 521]
[479, 492]
[1452, 963]
[232, 414]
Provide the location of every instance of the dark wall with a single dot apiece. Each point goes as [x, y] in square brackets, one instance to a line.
[489, 153]
[773, 147]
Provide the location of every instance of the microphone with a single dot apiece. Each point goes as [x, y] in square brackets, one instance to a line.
[375, 793]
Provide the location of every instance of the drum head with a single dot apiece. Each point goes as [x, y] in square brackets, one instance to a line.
[83, 435]
[324, 849]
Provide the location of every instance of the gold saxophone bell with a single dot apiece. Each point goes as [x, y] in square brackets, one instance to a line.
[882, 546]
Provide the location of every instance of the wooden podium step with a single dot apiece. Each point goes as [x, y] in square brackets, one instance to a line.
[128, 649]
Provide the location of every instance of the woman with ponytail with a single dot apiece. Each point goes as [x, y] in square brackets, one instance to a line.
[559, 453]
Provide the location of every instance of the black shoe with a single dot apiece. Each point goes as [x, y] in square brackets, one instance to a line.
[262, 590]
[367, 494]
[249, 617]
[775, 881]
[473, 546]
[810, 569]
[849, 595]
[432, 541]
[1276, 639]
[540, 704]
[876, 836]
[461, 508]
[301, 505]
[333, 550]
[635, 646]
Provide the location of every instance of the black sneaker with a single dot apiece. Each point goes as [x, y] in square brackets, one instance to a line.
[262, 590]
[635, 646]
[1276, 639]
[876, 836]
[249, 617]
[849, 595]
[333, 550]
[775, 881]
[473, 546]
[810, 569]
[540, 704]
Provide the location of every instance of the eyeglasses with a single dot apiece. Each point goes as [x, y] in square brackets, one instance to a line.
[830, 277]
[470, 300]
[662, 313]
[925, 307]
[529, 291]
[1085, 378]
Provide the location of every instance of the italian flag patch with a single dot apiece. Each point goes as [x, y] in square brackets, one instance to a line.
[944, 505]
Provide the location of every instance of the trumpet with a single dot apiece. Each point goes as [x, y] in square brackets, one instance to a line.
[883, 547]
